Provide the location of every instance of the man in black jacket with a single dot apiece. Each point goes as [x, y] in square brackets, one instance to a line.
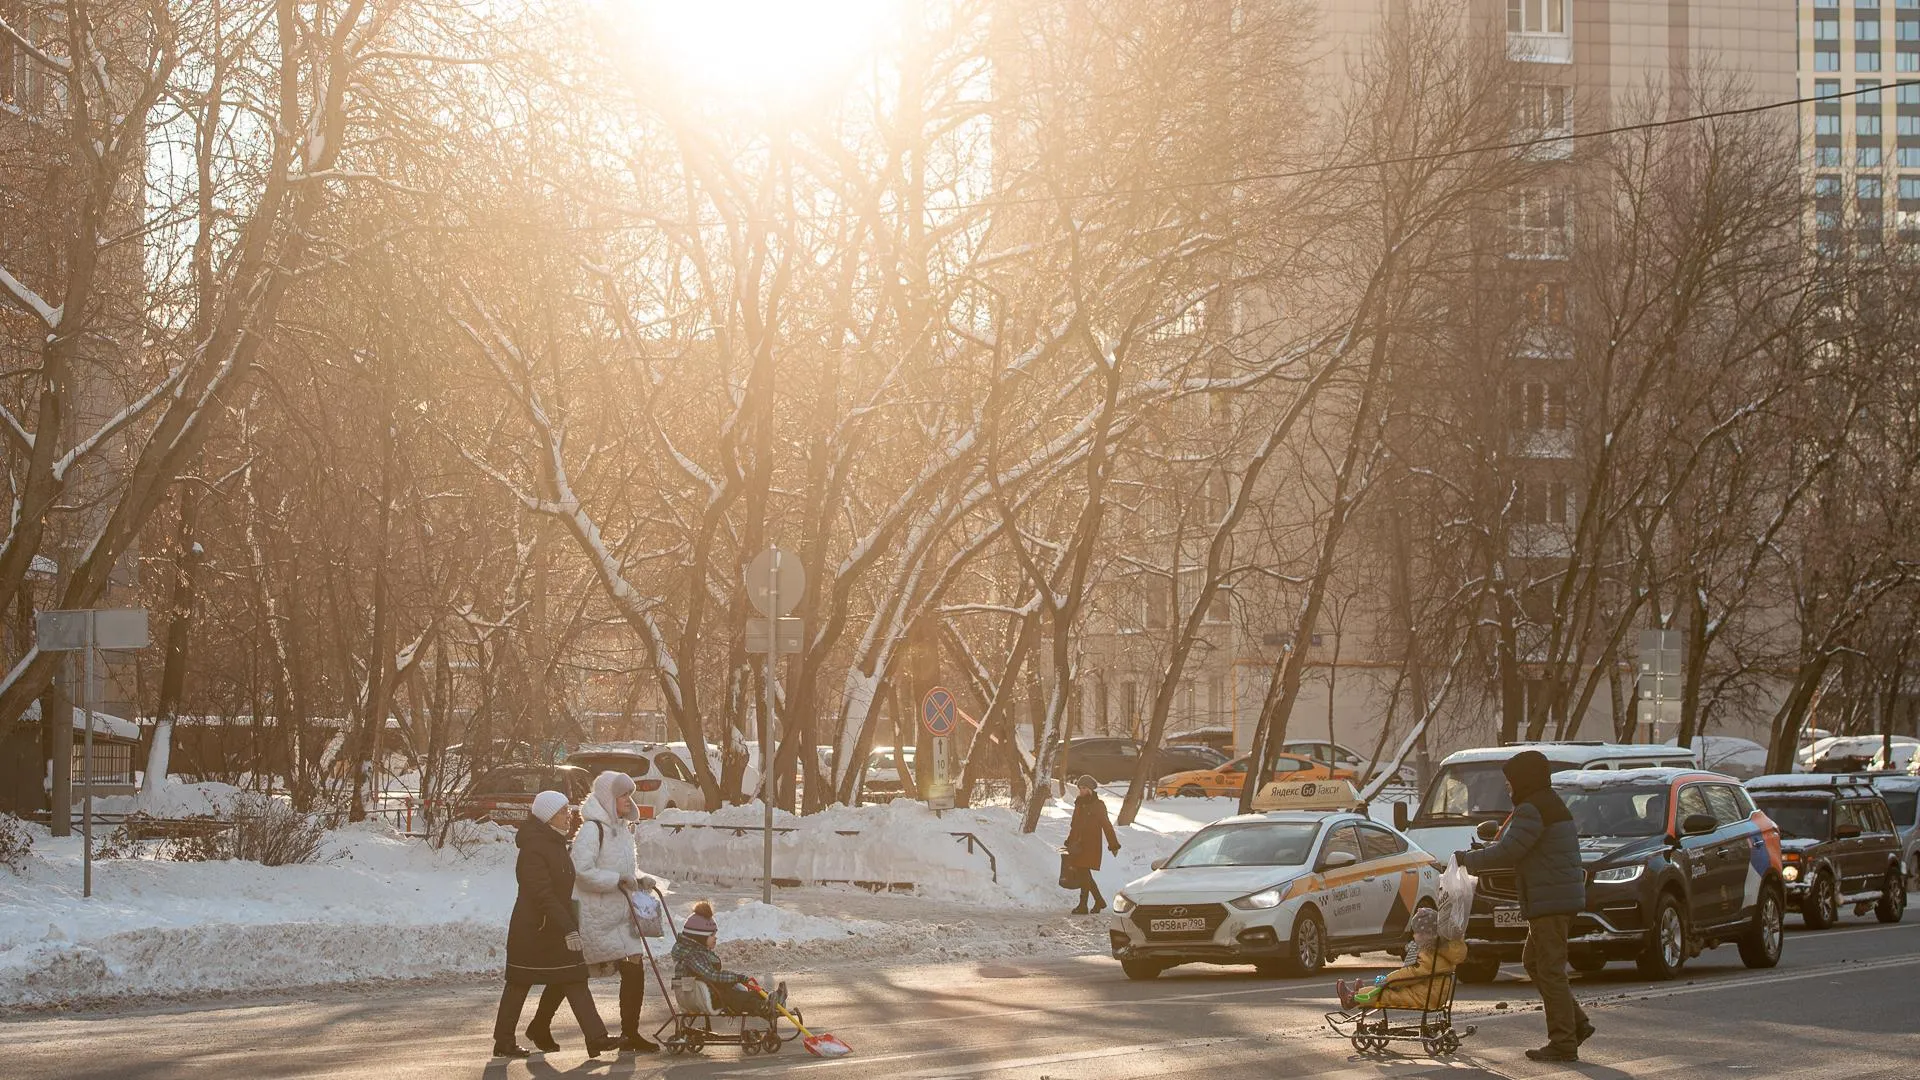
[1542, 844]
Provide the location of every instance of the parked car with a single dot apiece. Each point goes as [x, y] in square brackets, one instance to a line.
[1902, 794]
[504, 795]
[1230, 778]
[1111, 760]
[1470, 786]
[883, 772]
[1838, 843]
[661, 779]
[1677, 861]
[1903, 758]
[1847, 753]
[1742, 759]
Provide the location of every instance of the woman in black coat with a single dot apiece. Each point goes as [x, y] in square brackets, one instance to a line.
[1089, 827]
[543, 941]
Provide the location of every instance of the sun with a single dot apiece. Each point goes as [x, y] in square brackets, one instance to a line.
[768, 50]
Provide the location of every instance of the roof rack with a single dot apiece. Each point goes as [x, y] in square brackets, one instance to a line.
[1811, 781]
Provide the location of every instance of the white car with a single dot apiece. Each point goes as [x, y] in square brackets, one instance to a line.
[661, 779]
[1285, 891]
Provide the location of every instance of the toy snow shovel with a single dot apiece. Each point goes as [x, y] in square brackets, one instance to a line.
[821, 1045]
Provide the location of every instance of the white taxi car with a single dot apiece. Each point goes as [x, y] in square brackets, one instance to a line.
[1285, 891]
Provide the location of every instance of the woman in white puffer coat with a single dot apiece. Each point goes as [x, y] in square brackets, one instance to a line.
[606, 874]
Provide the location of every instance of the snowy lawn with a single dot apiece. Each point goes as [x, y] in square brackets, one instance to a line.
[383, 906]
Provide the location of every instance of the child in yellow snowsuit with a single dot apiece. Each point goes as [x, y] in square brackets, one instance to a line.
[1418, 985]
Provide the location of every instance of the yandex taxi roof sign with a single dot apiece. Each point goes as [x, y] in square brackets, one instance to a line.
[1326, 795]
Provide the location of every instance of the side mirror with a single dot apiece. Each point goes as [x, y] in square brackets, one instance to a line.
[1488, 831]
[1337, 859]
[1698, 824]
[1846, 832]
[1159, 864]
[1401, 816]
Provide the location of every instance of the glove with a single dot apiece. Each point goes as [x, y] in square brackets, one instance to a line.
[1461, 857]
[647, 884]
[573, 941]
[1115, 849]
[629, 883]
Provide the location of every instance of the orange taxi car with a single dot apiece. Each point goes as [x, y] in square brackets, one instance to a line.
[1228, 779]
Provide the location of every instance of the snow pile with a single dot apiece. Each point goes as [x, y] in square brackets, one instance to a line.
[904, 843]
[174, 800]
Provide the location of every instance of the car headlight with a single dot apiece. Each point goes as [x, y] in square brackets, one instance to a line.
[1790, 873]
[1122, 903]
[1619, 874]
[1260, 901]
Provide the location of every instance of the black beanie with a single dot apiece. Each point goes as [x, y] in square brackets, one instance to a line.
[1527, 772]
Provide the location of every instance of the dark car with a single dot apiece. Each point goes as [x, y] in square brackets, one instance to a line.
[1839, 844]
[1112, 760]
[504, 795]
[1677, 861]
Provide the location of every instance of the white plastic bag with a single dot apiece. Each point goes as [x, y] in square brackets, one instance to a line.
[646, 914]
[1456, 901]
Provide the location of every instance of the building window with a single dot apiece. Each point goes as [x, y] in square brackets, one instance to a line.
[1543, 502]
[1543, 407]
[1546, 110]
[1866, 29]
[1869, 95]
[1538, 222]
[1545, 304]
[1537, 16]
[1909, 157]
[1826, 219]
[1909, 125]
[1826, 59]
[1826, 89]
[1826, 29]
[1826, 124]
[1866, 60]
[1907, 61]
[1867, 188]
[1907, 94]
[1906, 30]
[1866, 157]
[1866, 125]
[1826, 157]
[1159, 602]
[1826, 187]
[1909, 188]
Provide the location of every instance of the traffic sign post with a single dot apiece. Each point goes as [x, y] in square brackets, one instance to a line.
[939, 714]
[87, 631]
[1662, 680]
[775, 583]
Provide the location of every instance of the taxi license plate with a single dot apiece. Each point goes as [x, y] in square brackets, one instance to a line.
[1175, 926]
[1508, 916]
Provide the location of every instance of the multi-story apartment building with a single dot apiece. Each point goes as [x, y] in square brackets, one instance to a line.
[1860, 63]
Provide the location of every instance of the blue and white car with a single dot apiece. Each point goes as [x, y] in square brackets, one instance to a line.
[1284, 891]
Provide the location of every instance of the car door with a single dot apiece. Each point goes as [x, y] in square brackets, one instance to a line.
[1697, 855]
[1385, 888]
[1851, 844]
[680, 788]
[1340, 896]
[1878, 844]
[1731, 859]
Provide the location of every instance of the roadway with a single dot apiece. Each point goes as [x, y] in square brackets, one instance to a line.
[1840, 1005]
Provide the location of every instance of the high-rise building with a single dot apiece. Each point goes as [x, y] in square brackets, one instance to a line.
[1860, 61]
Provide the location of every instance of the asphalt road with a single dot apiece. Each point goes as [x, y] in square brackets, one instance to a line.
[1842, 1004]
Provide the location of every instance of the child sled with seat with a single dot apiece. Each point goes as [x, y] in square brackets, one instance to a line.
[1413, 1004]
[712, 1006]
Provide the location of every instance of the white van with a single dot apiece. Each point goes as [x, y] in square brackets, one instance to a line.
[1470, 787]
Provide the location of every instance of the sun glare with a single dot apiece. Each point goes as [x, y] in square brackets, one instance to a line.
[763, 49]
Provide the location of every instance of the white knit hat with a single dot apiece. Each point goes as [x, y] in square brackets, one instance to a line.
[548, 803]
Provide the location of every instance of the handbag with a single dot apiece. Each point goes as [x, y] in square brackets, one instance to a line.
[643, 910]
[1071, 876]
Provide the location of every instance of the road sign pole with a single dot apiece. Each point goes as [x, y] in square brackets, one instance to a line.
[766, 734]
[86, 757]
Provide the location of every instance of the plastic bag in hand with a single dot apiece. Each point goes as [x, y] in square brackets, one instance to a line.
[645, 912]
[1456, 901]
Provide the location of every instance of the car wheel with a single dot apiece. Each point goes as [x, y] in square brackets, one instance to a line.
[1192, 791]
[1893, 900]
[1821, 908]
[1307, 951]
[1478, 971]
[1760, 945]
[1141, 970]
[1666, 949]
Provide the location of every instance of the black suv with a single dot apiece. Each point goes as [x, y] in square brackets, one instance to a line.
[1677, 862]
[1111, 760]
[1838, 845]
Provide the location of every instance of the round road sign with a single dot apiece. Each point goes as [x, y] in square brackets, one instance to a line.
[939, 712]
[775, 572]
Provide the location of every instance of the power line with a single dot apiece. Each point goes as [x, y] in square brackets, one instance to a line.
[994, 202]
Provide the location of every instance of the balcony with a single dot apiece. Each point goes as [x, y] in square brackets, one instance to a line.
[1543, 445]
[1539, 48]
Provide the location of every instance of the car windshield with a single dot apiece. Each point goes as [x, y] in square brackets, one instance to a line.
[1207, 756]
[1620, 809]
[509, 782]
[1249, 843]
[631, 764]
[1903, 804]
[1800, 819]
[1472, 789]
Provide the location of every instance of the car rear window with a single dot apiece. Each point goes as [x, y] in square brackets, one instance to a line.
[1903, 804]
[511, 782]
[632, 764]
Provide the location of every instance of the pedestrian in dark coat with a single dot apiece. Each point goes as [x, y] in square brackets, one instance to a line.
[1542, 844]
[1089, 827]
[543, 939]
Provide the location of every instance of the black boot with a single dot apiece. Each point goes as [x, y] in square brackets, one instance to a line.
[637, 1044]
[542, 1038]
[511, 1050]
[596, 1047]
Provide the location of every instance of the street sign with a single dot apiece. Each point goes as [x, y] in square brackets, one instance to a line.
[775, 578]
[940, 777]
[113, 629]
[939, 712]
[792, 639]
